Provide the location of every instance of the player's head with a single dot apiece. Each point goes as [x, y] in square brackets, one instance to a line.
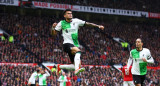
[38, 69]
[125, 63]
[63, 73]
[139, 43]
[67, 14]
[69, 74]
[42, 71]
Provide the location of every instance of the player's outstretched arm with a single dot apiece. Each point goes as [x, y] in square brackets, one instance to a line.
[47, 73]
[94, 25]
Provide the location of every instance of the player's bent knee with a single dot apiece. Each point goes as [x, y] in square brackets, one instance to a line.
[75, 49]
[138, 85]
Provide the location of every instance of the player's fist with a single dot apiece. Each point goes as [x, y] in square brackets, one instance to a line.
[45, 69]
[54, 25]
[144, 59]
[101, 27]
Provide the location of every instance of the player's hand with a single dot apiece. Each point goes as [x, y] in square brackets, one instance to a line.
[45, 69]
[144, 59]
[54, 25]
[101, 27]
[29, 84]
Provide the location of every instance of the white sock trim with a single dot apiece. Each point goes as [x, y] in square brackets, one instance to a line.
[67, 67]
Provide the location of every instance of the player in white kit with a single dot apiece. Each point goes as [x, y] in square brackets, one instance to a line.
[69, 28]
[32, 79]
[42, 77]
[140, 57]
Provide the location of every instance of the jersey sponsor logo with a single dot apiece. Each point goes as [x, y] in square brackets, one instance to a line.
[70, 30]
[126, 72]
[135, 55]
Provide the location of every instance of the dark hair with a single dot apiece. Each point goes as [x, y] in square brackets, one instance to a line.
[66, 11]
[38, 70]
[140, 39]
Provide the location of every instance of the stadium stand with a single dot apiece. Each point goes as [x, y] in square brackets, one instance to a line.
[18, 76]
[34, 44]
[139, 5]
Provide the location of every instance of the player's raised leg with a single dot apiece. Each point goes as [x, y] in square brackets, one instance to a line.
[70, 67]
[77, 61]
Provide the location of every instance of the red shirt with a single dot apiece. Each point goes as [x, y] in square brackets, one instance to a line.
[68, 83]
[103, 57]
[74, 78]
[127, 77]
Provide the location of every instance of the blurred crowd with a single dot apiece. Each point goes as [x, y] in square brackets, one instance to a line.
[33, 42]
[93, 76]
[140, 5]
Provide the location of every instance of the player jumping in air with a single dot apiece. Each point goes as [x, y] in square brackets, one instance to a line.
[69, 28]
